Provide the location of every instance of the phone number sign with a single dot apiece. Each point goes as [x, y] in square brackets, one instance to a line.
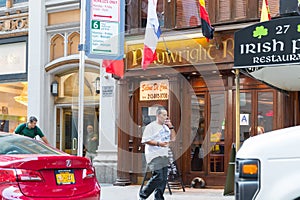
[105, 29]
[154, 90]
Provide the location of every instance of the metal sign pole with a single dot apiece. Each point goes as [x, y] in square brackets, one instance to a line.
[81, 77]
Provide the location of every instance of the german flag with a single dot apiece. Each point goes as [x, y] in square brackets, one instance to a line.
[207, 29]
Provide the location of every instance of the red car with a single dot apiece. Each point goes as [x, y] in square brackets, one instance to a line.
[31, 170]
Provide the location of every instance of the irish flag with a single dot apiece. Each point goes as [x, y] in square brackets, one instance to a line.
[152, 35]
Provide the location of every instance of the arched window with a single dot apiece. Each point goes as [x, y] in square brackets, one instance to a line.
[57, 47]
[73, 41]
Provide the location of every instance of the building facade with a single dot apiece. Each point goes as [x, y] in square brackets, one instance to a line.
[40, 76]
[13, 63]
[193, 78]
[54, 37]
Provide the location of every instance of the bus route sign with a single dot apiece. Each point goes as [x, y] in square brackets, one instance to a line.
[105, 29]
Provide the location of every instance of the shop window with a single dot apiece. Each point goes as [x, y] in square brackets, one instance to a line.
[198, 132]
[208, 146]
[234, 10]
[240, 9]
[57, 47]
[159, 11]
[256, 113]
[265, 112]
[217, 132]
[13, 58]
[136, 14]
[69, 83]
[13, 105]
[73, 42]
[187, 13]
[228, 11]
[245, 115]
[128, 13]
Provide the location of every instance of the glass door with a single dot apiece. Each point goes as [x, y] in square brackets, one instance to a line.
[198, 133]
[217, 125]
[208, 132]
[67, 129]
[145, 115]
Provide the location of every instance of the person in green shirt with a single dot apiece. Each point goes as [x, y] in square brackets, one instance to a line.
[30, 129]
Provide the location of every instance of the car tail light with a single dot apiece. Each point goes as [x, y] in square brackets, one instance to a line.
[88, 173]
[7, 175]
[24, 175]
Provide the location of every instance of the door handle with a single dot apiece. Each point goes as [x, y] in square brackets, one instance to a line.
[74, 144]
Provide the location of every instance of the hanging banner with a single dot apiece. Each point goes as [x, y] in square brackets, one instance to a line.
[154, 90]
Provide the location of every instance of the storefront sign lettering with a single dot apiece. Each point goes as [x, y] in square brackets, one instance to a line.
[14, 23]
[13, 58]
[272, 43]
[154, 90]
[194, 51]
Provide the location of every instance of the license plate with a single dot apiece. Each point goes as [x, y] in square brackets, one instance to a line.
[64, 177]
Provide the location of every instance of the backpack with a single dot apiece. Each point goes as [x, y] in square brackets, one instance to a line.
[24, 125]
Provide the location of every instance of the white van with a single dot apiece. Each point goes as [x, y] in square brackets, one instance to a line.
[268, 166]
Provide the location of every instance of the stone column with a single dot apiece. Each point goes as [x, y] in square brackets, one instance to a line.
[105, 162]
[37, 51]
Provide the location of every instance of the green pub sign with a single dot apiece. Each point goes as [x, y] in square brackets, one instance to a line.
[270, 43]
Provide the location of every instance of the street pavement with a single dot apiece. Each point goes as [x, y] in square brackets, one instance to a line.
[110, 192]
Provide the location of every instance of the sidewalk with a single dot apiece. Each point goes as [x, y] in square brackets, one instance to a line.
[110, 192]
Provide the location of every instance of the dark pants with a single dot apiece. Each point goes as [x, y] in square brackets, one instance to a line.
[158, 181]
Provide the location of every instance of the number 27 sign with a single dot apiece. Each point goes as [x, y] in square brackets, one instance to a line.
[105, 29]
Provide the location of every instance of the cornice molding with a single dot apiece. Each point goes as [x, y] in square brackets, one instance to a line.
[60, 6]
[14, 23]
[74, 26]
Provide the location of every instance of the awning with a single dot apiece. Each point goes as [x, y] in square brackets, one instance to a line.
[285, 77]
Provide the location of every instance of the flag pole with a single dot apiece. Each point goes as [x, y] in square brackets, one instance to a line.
[81, 77]
[237, 109]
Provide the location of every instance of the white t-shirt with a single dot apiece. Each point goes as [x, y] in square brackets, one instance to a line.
[156, 132]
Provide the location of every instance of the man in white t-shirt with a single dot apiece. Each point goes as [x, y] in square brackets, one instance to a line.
[157, 136]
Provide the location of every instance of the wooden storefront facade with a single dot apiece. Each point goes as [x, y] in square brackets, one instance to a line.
[201, 105]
